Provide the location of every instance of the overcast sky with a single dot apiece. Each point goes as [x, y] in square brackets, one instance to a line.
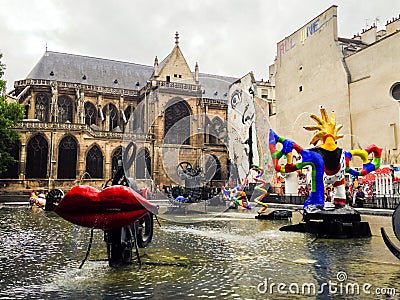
[225, 37]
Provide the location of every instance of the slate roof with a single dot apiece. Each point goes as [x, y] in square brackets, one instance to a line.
[98, 71]
[216, 86]
[103, 72]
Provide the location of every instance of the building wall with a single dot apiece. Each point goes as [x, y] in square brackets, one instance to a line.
[193, 153]
[309, 72]
[177, 68]
[374, 112]
[155, 102]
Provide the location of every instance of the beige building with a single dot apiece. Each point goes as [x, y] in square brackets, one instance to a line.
[78, 108]
[266, 91]
[358, 78]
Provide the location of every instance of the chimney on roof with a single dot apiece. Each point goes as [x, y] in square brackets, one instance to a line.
[156, 67]
[368, 36]
[393, 25]
[357, 37]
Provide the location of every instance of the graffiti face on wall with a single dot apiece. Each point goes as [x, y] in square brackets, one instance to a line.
[241, 126]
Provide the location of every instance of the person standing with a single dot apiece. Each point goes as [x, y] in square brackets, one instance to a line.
[360, 197]
[328, 194]
[349, 198]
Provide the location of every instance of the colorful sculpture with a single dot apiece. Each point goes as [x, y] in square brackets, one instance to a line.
[111, 208]
[260, 187]
[329, 162]
[236, 196]
[37, 200]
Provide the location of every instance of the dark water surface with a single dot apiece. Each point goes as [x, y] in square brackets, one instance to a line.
[230, 256]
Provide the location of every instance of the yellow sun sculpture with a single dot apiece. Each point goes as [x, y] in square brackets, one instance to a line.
[325, 127]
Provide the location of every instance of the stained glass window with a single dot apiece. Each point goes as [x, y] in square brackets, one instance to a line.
[36, 161]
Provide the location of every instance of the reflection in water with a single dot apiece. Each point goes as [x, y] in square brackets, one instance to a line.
[228, 256]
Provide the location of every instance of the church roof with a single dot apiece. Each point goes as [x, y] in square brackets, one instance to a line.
[90, 70]
[111, 73]
[216, 86]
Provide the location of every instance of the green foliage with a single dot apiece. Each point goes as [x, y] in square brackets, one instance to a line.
[2, 82]
[10, 115]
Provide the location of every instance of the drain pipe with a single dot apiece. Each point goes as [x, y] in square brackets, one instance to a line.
[347, 70]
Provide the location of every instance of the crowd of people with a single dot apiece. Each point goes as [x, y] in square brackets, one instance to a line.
[356, 199]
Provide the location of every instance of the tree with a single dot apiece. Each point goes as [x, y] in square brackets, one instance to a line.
[11, 113]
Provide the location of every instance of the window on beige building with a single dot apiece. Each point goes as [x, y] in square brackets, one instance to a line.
[177, 123]
[42, 107]
[116, 156]
[90, 113]
[67, 157]
[110, 111]
[143, 164]
[94, 162]
[396, 91]
[37, 156]
[64, 109]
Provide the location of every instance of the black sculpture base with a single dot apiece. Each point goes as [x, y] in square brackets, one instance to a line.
[119, 247]
[279, 214]
[121, 242]
[344, 222]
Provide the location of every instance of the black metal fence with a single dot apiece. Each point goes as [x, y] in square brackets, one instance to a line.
[387, 202]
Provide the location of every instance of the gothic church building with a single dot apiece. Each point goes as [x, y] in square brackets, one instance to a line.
[77, 109]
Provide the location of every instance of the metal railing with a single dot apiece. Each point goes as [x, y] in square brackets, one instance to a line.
[386, 202]
[49, 126]
[379, 202]
[84, 87]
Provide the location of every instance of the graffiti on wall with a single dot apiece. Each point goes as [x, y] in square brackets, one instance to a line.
[306, 32]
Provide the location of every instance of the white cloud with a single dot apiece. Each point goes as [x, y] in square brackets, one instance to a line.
[226, 37]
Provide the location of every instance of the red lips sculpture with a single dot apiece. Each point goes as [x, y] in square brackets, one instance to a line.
[114, 207]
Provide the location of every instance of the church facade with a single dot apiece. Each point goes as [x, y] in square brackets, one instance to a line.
[81, 112]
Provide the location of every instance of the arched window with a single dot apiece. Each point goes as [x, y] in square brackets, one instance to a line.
[42, 107]
[116, 156]
[94, 162]
[90, 113]
[138, 119]
[177, 123]
[213, 168]
[36, 160]
[143, 165]
[64, 109]
[67, 156]
[215, 130]
[12, 169]
[128, 112]
[113, 115]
